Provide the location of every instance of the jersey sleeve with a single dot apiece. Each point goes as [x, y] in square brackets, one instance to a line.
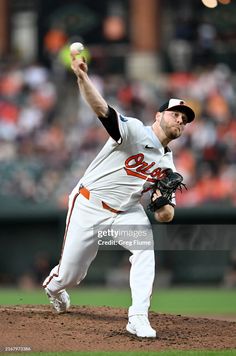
[110, 122]
[119, 127]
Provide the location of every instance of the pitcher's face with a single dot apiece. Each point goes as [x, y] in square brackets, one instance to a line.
[173, 123]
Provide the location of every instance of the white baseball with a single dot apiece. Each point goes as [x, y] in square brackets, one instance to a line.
[76, 47]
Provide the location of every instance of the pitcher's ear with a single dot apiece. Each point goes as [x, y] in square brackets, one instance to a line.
[158, 116]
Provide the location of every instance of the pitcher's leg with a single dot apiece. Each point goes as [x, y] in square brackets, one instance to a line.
[142, 274]
[79, 250]
[142, 261]
[74, 264]
[142, 269]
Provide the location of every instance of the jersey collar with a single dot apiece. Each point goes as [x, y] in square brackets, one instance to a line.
[156, 140]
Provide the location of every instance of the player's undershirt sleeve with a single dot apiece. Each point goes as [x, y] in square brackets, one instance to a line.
[110, 122]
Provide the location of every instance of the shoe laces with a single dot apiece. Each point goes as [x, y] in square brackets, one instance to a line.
[58, 300]
[55, 301]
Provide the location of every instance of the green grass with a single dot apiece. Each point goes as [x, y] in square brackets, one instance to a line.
[161, 353]
[174, 300]
[197, 301]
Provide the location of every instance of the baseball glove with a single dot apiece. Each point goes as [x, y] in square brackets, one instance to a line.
[168, 184]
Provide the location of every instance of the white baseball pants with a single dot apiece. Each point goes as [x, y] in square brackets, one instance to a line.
[81, 246]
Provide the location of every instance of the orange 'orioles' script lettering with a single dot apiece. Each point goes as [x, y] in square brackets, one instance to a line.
[142, 169]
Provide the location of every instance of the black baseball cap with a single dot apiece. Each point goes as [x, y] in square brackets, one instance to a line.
[179, 105]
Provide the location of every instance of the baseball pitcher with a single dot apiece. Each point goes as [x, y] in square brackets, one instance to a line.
[134, 160]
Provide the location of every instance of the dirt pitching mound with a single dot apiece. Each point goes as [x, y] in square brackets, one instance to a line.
[102, 328]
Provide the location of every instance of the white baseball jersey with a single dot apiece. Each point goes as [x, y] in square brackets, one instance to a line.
[125, 169]
[129, 163]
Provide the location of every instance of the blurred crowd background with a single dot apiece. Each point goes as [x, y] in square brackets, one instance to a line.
[48, 136]
[140, 53]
